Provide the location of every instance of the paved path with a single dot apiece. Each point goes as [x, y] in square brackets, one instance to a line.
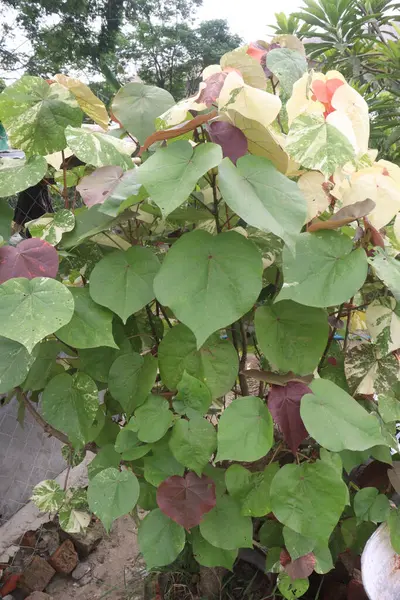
[27, 456]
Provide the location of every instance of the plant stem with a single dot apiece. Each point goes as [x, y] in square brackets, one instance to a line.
[39, 419]
[164, 314]
[330, 339]
[346, 336]
[215, 197]
[152, 326]
[65, 189]
[243, 360]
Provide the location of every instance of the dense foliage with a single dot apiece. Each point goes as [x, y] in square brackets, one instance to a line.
[361, 39]
[219, 321]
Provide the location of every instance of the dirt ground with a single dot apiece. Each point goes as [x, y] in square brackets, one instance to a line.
[116, 570]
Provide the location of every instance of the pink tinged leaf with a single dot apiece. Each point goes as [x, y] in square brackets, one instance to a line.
[211, 90]
[231, 139]
[301, 568]
[95, 188]
[256, 50]
[284, 405]
[186, 499]
[31, 258]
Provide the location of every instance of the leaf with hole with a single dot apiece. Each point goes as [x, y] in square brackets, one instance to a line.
[132, 273]
[198, 275]
[112, 494]
[32, 309]
[171, 173]
[245, 430]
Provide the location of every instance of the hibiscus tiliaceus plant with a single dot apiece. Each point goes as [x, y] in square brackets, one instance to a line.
[213, 309]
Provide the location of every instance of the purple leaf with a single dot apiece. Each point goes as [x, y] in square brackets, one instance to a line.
[31, 258]
[186, 499]
[95, 188]
[231, 139]
[284, 405]
[210, 91]
[301, 568]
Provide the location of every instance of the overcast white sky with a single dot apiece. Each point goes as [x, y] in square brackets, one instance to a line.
[248, 18]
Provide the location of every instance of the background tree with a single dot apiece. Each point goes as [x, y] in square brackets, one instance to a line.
[115, 39]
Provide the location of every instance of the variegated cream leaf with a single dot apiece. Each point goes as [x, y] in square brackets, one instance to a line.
[48, 496]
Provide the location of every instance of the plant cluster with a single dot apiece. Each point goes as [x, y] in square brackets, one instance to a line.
[258, 225]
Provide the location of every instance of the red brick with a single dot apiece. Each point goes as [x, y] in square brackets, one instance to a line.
[65, 558]
[36, 576]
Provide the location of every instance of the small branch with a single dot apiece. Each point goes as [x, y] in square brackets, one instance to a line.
[215, 197]
[346, 336]
[65, 189]
[39, 419]
[67, 475]
[244, 388]
[164, 314]
[152, 326]
[330, 339]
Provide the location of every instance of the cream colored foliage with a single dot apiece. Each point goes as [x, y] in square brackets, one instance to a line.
[89, 103]
[348, 102]
[374, 184]
[378, 317]
[300, 100]
[396, 227]
[248, 101]
[317, 200]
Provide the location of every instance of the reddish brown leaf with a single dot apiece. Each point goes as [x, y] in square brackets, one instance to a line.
[186, 499]
[356, 591]
[231, 139]
[31, 258]
[211, 88]
[375, 474]
[375, 237]
[284, 405]
[301, 568]
[173, 132]
[344, 216]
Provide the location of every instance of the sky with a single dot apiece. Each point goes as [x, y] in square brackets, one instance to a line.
[248, 18]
